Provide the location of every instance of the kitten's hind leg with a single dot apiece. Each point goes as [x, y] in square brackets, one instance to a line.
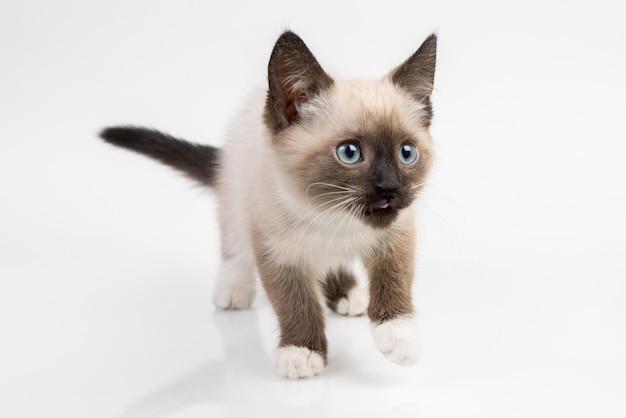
[343, 295]
[236, 284]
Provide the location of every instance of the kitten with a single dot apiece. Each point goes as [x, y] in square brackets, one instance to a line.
[317, 173]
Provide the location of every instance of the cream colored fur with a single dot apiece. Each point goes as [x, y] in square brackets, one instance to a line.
[316, 173]
[397, 340]
[256, 190]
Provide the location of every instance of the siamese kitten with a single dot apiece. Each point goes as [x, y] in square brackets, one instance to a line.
[317, 172]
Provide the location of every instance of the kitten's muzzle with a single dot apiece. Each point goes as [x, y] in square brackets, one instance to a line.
[381, 204]
[386, 199]
[386, 192]
[380, 213]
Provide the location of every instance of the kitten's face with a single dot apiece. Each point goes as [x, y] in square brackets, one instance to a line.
[358, 149]
[361, 149]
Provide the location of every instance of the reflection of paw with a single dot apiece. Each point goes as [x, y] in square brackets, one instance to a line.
[234, 296]
[297, 362]
[354, 303]
[397, 340]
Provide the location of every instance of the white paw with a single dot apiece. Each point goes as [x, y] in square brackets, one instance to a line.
[397, 340]
[355, 302]
[237, 296]
[297, 362]
[235, 287]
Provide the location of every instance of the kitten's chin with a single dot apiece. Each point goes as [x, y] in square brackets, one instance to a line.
[380, 217]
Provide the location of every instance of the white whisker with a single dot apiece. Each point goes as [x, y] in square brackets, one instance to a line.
[341, 192]
[332, 212]
[328, 202]
[355, 218]
[323, 184]
[346, 215]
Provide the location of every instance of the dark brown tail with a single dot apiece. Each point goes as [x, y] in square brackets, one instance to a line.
[199, 162]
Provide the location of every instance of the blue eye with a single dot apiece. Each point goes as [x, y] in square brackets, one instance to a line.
[349, 153]
[407, 154]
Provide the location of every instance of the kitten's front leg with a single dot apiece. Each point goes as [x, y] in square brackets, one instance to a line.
[390, 309]
[302, 349]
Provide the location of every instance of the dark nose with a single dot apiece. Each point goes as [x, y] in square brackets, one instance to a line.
[386, 191]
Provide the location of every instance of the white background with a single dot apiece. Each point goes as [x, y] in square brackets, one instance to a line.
[107, 259]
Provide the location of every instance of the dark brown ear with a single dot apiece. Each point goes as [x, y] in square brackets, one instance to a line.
[294, 76]
[417, 74]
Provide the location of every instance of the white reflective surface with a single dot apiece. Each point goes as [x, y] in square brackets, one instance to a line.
[99, 342]
[107, 260]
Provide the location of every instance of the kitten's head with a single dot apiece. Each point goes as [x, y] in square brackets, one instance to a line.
[349, 146]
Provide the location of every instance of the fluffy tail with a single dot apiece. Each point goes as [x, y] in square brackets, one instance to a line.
[199, 162]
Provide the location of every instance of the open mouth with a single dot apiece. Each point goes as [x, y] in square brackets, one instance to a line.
[380, 208]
